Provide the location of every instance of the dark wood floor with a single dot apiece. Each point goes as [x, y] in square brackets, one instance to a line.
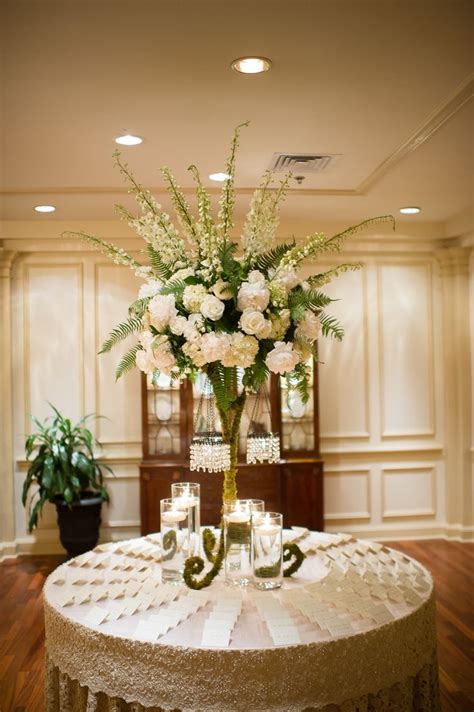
[22, 633]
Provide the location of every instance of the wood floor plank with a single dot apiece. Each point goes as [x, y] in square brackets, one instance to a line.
[22, 628]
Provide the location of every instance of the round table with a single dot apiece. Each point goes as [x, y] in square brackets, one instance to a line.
[354, 629]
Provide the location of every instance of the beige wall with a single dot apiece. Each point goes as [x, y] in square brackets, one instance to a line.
[395, 396]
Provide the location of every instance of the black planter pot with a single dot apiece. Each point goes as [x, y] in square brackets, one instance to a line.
[79, 523]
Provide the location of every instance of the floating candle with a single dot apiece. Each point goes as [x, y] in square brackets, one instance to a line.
[174, 516]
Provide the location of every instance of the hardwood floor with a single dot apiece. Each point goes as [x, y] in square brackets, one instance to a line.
[22, 632]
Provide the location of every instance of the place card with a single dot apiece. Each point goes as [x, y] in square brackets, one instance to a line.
[116, 612]
[95, 616]
[98, 594]
[147, 630]
[215, 638]
[64, 598]
[82, 597]
[339, 629]
[411, 597]
[60, 578]
[77, 578]
[395, 594]
[285, 636]
[132, 588]
[116, 591]
[85, 559]
[131, 608]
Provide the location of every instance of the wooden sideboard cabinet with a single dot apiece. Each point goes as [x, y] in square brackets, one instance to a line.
[294, 486]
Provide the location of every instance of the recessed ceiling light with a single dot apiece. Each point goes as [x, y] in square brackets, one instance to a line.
[219, 176]
[251, 65]
[410, 210]
[128, 140]
[45, 208]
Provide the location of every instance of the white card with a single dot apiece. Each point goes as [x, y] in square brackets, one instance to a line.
[64, 598]
[213, 638]
[219, 623]
[60, 579]
[342, 628]
[98, 594]
[116, 591]
[96, 616]
[85, 559]
[82, 597]
[146, 631]
[285, 636]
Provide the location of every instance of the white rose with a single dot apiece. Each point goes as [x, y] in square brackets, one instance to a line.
[144, 361]
[193, 295]
[309, 327]
[162, 310]
[214, 347]
[178, 325]
[282, 358]
[212, 307]
[253, 322]
[150, 289]
[253, 296]
[256, 277]
[222, 290]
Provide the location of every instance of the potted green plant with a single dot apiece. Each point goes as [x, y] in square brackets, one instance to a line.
[67, 474]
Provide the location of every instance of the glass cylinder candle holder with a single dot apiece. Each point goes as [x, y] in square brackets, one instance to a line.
[186, 496]
[174, 540]
[237, 543]
[267, 550]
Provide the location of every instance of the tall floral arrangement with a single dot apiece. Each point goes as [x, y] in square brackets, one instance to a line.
[213, 305]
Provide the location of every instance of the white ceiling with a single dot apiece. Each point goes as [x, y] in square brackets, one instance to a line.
[385, 83]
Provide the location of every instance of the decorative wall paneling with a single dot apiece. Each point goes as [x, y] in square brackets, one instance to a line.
[383, 389]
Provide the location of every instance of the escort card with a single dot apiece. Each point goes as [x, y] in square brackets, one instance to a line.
[95, 616]
[64, 598]
[215, 638]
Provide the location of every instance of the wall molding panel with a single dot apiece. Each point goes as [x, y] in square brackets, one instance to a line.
[387, 392]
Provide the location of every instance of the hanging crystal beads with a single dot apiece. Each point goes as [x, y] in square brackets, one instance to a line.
[208, 451]
[262, 445]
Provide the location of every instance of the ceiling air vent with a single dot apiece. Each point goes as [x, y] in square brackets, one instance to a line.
[303, 162]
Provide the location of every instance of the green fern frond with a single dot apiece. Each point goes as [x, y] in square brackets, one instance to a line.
[318, 280]
[299, 300]
[271, 259]
[122, 331]
[139, 307]
[160, 268]
[117, 254]
[331, 327]
[127, 362]
[175, 287]
[353, 229]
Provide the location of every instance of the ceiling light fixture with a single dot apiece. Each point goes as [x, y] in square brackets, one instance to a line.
[129, 140]
[251, 65]
[44, 208]
[220, 177]
[410, 210]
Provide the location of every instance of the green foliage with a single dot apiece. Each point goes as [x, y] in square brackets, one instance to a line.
[300, 300]
[183, 211]
[174, 286]
[317, 280]
[257, 374]
[160, 268]
[272, 258]
[331, 327]
[208, 544]
[63, 465]
[139, 307]
[298, 380]
[195, 565]
[292, 550]
[122, 331]
[127, 362]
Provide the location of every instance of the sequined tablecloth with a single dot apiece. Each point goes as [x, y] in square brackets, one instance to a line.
[360, 618]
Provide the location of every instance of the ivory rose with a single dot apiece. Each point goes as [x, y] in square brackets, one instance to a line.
[150, 289]
[282, 358]
[253, 322]
[222, 290]
[253, 295]
[212, 307]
